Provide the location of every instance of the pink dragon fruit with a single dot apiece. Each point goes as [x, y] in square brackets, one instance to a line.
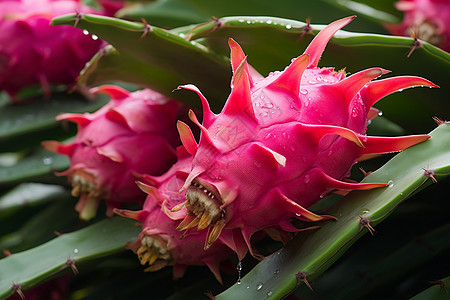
[281, 143]
[133, 133]
[428, 20]
[33, 53]
[159, 243]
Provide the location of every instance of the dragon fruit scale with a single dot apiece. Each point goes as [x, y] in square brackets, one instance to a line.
[282, 142]
[428, 20]
[160, 244]
[133, 133]
[33, 53]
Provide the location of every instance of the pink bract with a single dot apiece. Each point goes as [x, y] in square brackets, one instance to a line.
[34, 53]
[133, 133]
[160, 244]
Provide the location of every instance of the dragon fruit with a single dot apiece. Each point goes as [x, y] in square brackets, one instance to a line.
[428, 20]
[281, 143]
[133, 133]
[159, 243]
[33, 53]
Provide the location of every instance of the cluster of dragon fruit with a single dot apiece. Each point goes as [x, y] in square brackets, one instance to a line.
[279, 145]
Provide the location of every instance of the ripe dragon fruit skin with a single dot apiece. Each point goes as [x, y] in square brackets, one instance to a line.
[159, 243]
[429, 20]
[133, 133]
[33, 53]
[280, 143]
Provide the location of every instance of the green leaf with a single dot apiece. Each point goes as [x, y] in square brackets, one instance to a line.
[30, 267]
[166, 60]
[29, 194]
[313, 252]
[435, 292]
[42, 226]
[39, 166]
[174, 13]
[25, 125]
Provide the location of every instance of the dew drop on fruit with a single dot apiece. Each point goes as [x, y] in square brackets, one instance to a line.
[85, 32]
[94, 37]
[303, 92]
[267, 105]
[307, 178]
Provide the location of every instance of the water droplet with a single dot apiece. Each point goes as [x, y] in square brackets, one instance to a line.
[323, 195]
[94, 37]
[239, 269]
[380, 113]
[264, 114]
[354, 112]
[249, 22]
[303, 92]
[312, 82]
[262, 96]
[259, 286]
[319, 78]
[276, 271]
[307, 178]
[269, 21]
[298, 215]
[279, 252]
[364, 212]
[288, 26]
[248, 286]
[268, 136]
[390, 183]
[47, 161]
[269, 293]
[75, 250]
[85, 32]
[267, 105]
[400, 90]
[284, 134]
